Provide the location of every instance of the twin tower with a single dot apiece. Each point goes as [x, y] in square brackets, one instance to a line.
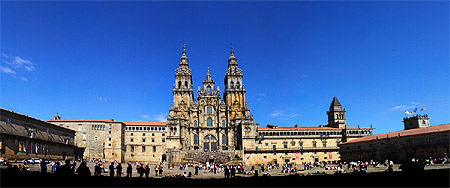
[209, 122]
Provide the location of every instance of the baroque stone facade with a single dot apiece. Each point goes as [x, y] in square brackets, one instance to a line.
[208, 122]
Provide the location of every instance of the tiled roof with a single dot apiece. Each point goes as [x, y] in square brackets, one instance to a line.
[45, 122]
[81, 120]
[144, 123]
[410, 132]
[109, 121]
[303, 128]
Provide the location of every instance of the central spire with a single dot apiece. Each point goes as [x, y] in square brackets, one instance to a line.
[232, 60]
[184, 60]
[208, 76]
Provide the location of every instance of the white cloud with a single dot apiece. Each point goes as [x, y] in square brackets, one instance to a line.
[161, 117]
[7, 70]
[102, 99]
[18, 62]
[283, 115]
[262, 94]
[404, 107]
[24, 79]
[145, 116]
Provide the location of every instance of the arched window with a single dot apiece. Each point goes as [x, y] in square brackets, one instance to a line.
[209, 143]
[195, 123]
[209, 122]
[314, 144]
[208, 89]
[300, 144]
[209, 110]
[186, 84]
[179, 84]
[231, 84]
[223, 123]
[224, 139]
[237, 84]
[195, 139]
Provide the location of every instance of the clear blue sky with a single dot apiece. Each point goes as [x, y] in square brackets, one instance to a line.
[102, 60]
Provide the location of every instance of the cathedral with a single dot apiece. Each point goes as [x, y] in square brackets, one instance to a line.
[211, 122]
[213, 126]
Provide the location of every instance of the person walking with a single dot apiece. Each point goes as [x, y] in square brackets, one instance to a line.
[196, 169]
[119, 170]
[233, 172]
[160, 168]
[111, 170]
[226, 172]
[43, 166]
[129, 170]
[147, 171]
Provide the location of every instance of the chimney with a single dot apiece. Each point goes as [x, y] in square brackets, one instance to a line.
[296, 125]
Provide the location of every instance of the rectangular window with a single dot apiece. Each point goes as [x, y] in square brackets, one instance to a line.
[109, 139]
[84, 142]
[267, 144]
[84, 136]
[324, 144]
[163, 134]
[8, 121]
[163, 140]
[109, 144]
[153, 134]
[131, 134]
[143, 134]
[132, 148]
[285, 144]
[143, 140]
[143, 148]
[163, 128]
[109, 132]
[131, 140]
[153, 140]
[110, 126]
[79, 127]
[154, 148]
[293, 143]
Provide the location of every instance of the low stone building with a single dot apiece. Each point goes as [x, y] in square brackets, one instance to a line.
[304, 144]
[418, 140]
[96, 139]
[145, 141]
[24, 137]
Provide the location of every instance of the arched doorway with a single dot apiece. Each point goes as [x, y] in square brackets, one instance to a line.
[163, 158]
[209, 143]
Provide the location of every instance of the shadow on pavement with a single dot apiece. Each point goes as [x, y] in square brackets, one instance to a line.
[428, 178]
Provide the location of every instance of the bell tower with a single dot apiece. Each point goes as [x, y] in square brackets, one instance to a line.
[182, 89]
[234, 94]
[179, 112]
[336, 115]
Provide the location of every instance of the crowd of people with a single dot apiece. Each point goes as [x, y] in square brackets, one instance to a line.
[115, 169]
